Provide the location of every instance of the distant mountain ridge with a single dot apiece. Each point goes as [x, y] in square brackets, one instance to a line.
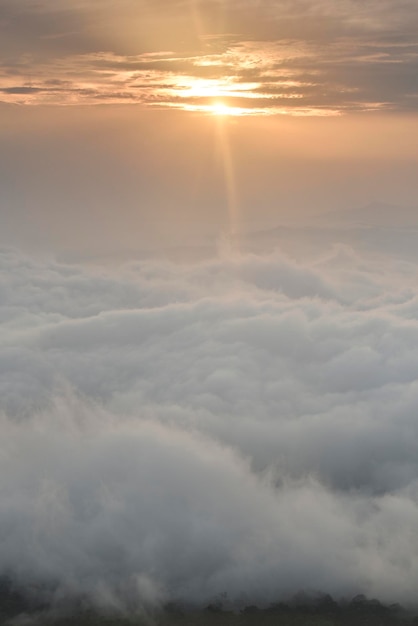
[377, 227]
[373, 215]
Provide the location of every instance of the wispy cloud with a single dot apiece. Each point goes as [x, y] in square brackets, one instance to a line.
[304, 57]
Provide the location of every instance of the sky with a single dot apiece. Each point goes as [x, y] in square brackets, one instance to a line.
[303, 57]
[208, 261]
[199, 118]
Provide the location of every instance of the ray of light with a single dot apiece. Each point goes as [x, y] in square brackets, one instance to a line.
[197, 20]
[216, 89]
[232, 200]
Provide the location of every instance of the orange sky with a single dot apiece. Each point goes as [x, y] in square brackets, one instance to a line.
[305, 57]
[139, 120]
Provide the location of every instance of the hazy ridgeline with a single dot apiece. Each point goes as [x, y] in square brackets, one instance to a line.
[246, 424]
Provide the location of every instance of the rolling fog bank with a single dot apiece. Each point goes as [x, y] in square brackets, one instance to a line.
[243, 424]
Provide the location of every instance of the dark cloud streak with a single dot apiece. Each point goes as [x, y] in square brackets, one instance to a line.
[368, 48]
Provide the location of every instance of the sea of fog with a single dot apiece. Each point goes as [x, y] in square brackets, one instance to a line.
[243, 424]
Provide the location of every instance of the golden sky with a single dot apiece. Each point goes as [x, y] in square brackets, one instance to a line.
[135, 121]
[263, 57]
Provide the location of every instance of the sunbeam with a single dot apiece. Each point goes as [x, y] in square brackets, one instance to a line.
[227, 162]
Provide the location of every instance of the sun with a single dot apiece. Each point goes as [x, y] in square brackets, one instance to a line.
[210, 95]
[219, 108]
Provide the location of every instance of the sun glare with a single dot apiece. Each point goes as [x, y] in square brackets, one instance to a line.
[207, 96]
[219, 108]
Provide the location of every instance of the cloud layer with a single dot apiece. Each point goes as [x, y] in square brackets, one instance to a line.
[308, 57]
[244, 425]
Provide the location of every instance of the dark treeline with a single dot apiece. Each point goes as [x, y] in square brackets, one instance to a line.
[19, 607]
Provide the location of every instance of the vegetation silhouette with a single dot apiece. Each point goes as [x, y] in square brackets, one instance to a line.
[24, 606]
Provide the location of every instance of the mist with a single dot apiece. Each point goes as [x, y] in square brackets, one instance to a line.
[83, 183]
[243, 425]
